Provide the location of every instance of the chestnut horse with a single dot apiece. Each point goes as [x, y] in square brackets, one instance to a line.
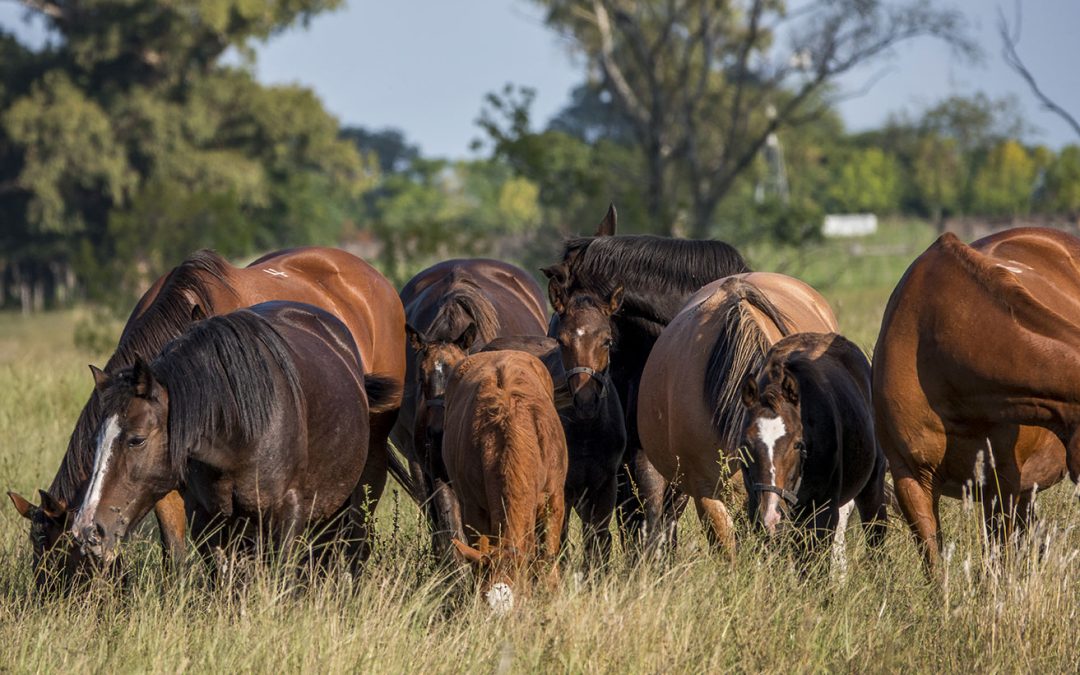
[809, 439]
[689, 414]
[261, 415]
[451, 308]
[977, 371]
[206, 283]
[657, 275]
[505, 454]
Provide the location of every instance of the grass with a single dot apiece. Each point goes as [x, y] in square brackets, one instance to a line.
[999, 610]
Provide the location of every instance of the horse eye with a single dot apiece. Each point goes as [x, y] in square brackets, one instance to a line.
[136, 441]
[800, 446]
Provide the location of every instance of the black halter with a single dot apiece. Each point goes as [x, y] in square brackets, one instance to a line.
[600, 377]
[435, 402]
[789, 496]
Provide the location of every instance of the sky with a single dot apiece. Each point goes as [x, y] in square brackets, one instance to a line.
[424, 66]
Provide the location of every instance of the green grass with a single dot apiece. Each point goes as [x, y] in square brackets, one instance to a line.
[1017, 612]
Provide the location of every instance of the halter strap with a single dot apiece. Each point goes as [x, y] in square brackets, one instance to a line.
[435, 402]
[599, 377]
[789, 496]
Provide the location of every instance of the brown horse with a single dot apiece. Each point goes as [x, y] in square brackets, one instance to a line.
[809, 438]
[261, 415]
[977, 371]
[451, 308]
[690, 416]
[205, 283]
[658, 275]
[505, 455]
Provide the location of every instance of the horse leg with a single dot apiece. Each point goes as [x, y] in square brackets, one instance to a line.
[631, 510]
[873, 511]
[919, 506]
[365, 498]
[595, 509]
[554, 520]
[172, 526]
[446, 513]
[658, 502]
[719, 528]
[839, 543]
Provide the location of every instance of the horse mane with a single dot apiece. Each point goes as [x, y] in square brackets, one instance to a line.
[220, 379]
[740, 350]
[463, 305]
[1000, 284]
[647, 266]
[144, 335]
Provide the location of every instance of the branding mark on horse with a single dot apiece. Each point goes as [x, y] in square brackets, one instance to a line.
[276, 273]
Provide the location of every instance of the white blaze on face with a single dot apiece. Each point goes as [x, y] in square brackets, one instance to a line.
[106, 440]
[770, 430]
[580, 332]
[500, 598]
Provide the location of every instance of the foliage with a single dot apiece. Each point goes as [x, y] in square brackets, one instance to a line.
[1005, 182]
[1061, 192]
[939, 174]
[867, 182]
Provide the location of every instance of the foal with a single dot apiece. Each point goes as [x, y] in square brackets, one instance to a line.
[505, 453]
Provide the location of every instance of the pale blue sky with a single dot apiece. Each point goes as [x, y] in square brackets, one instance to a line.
[424, 65]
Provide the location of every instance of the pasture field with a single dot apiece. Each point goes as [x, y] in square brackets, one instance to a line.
[995, 610]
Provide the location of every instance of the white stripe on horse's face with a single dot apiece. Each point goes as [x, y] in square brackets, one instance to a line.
[770, 430]
[106, 440]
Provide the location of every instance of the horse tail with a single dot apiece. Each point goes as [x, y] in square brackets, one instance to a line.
[739, 351]
[383, 393]
[400, 471]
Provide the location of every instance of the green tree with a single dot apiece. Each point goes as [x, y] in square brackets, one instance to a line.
[868, 181]
[1004, 184]
[1061, 191]
[939, 174]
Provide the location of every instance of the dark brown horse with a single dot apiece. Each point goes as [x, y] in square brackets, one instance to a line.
[333, 280]
[451, 308]
[689, 410]
[589, 409]
[977, 376]
[657, 275]
[505, 455]
[261, 415]
[809, 440]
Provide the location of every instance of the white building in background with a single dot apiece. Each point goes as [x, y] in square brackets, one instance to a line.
[849, 224]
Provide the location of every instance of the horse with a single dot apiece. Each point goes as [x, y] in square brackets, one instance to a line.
[809, 440]
[505, 455]
[689, 412]
[976, 369]
[206, 284]
[450, 308]
[261, 415]
[657, 274]
[589, 408]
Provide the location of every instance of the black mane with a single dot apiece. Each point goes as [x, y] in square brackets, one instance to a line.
[657, 273]
[220, 376]
[144, 336]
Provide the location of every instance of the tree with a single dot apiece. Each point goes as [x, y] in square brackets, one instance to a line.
[1061, 191]
[868, 181]
[130, 107]
[1004, 184]
[703, 84]
[939, 174]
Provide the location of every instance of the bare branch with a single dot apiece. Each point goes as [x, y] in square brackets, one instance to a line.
[1009, 41]
[611, 66]
[49, 9]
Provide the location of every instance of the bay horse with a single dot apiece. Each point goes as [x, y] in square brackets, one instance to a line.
[977, 371]
[450, 308]
[206, 284]
[592, 416]
[261, 415]
[689, 413]
[657, 275]
[808, 439]
[505, 455]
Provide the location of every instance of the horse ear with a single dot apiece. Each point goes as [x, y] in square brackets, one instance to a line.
[606, 228]
[416, 340]
[25, 508]
[552, 271]
[197, 313]
[468, 337]
[750, 391]
[101, 380]
[555, 295]
[144, 379]
[467, 553]
[51, 506]
[615, 300]
[790, 386]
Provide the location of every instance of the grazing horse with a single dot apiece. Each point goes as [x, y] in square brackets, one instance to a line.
[261, 415]
[206, 284]
[977, 371]
[689, 411]
[451, 308]
[809, 438]
[657, 274]
[505, 455]
[589, 409]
